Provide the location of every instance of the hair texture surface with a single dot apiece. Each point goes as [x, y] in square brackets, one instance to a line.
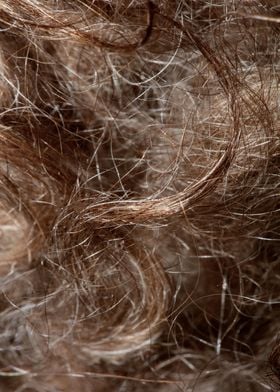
[139, 195]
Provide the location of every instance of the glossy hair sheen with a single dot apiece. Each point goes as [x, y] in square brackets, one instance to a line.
[139, 195]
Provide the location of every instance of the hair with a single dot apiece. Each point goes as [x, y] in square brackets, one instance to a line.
[140, 182]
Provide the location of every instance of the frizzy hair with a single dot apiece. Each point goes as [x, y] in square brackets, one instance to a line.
[140, 216]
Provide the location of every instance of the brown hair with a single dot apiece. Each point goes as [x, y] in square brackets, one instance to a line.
[139, 159]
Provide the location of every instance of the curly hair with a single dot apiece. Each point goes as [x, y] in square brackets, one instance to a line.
[140, 182]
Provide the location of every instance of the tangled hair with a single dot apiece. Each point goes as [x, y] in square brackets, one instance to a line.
[140, 182]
